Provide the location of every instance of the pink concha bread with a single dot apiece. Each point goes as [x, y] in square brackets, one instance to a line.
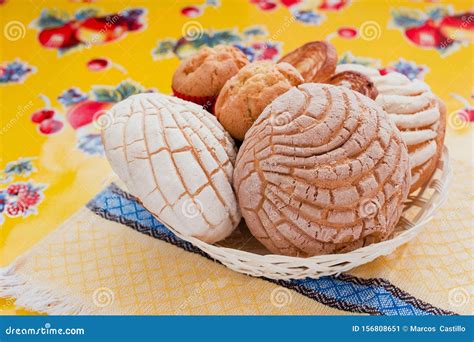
[418, 114]
[178, 160]
[322, 170]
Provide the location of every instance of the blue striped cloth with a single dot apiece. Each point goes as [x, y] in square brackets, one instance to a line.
[374, 296]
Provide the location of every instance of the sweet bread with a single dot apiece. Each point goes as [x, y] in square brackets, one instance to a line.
[417, 112]
[316, 61]
[322, 170]
[200, 77]
[178, 160]
[245, 96]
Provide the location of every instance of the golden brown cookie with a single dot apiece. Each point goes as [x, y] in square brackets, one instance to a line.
[316, 61]
[246, 95]
[356, 81]
[322, 170]
[201, 77]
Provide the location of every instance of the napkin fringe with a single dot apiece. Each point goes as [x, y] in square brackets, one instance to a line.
[34, 297]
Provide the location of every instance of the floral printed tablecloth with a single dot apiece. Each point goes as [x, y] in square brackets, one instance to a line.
[64, 63]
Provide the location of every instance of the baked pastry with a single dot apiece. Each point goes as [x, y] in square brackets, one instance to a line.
[417, 112]
[355, 81]
[330, 177]
[178, 160]
[316, 61]
[201, 77]
[245, 96]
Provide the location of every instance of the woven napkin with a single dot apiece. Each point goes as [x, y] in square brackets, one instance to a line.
[114, 257]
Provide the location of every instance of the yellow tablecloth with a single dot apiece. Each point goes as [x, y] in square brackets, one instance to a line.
[62, 63]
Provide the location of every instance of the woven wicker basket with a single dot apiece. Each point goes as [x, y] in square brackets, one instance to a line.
[241, 252]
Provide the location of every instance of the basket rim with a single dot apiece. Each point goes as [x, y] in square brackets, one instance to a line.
[373, 251]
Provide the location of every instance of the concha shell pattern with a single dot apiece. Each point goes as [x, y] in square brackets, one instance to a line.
[322, 170]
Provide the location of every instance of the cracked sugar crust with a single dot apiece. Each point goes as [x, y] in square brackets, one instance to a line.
[178, 160]
[418, 114]
[245, 96]
[205, 73]
[322, 170]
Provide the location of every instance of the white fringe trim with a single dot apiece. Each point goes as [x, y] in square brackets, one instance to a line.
[39, 298]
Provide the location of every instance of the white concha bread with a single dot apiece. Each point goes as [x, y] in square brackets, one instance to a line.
[178, 160]
[322, 170]
[418, 114]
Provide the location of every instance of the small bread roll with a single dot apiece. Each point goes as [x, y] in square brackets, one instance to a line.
[245, 96]
[200, 77]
